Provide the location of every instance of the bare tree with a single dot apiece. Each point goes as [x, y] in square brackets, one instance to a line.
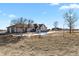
[70, 18]
[55, 24]
[30, 22]
[20, 20]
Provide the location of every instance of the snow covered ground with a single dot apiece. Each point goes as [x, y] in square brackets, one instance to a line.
[34, 34]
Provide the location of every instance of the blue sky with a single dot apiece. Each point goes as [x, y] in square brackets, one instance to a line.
[46, 13]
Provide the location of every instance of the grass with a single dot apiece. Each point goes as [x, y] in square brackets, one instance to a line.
[49, 45]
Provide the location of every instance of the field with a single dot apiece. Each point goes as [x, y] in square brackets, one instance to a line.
[53, 44]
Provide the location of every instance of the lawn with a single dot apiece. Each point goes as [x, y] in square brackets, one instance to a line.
[53, 44]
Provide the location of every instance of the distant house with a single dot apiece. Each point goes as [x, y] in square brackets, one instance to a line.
[56, 28]
[20, 28]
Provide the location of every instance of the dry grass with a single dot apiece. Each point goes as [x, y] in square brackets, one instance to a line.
[49, 45]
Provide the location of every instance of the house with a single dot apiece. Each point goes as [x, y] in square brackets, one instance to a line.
[41, 28]
[30, 27]
[20, 28]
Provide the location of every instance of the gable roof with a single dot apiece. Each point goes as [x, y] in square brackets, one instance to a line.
[41, 25]
[18, 25]
[26, 26]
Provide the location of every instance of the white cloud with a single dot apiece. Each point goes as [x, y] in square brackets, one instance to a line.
[12, 16]
[0, 11]
[71, 6]
[52, 4]
[4, 14]
[44, 12]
